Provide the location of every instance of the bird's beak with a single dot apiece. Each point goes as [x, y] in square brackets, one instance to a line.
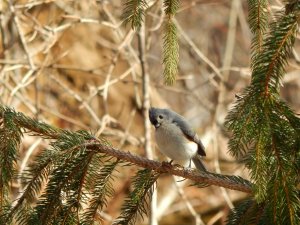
[157, 124]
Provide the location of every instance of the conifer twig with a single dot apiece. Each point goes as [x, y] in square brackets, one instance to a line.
[226, 181]
[198, 177]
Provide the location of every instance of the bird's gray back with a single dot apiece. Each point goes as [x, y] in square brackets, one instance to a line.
[188, 131]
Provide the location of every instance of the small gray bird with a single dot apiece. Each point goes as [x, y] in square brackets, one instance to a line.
[175, 137]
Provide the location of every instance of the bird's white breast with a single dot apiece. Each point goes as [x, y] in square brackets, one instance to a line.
[172, 142]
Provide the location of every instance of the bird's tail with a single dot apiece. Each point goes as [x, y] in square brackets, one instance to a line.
[198, 163]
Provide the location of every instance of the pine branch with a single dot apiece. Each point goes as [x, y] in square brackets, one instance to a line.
[226, 181]
[33, 179]
[134, 13]
[246, 212]
[66, 181]
[171, 7]
[102, 146]
[258, 23]
[102, 190]
[170, 47]
[10, 136]
[170, 53]
[266, 131]
[137, 203]
[268, 67]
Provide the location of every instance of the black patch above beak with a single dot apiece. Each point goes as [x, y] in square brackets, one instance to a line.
[154, 122]
[152, 117]
[157, 124]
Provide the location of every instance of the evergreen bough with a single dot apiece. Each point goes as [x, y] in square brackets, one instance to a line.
[71, 181]
[134, 13]
[266, 132]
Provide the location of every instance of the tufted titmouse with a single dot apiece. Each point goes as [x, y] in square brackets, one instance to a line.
[175, 137]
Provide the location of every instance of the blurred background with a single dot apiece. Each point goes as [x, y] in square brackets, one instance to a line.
[73, 64]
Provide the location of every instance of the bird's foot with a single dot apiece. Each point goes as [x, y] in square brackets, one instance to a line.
[179, 166]
[167, 165]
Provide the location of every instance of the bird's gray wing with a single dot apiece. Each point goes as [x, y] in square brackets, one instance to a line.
[198, 163]
[189, 133]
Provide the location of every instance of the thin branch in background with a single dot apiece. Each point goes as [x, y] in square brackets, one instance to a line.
[220, 111]
[111, 82]
[145, 107]
[168, 198]
[126, 133]
[23, 99]
[215, 218]
[230, 41]
[24, 162]
[21, 35]
[218, 169]
[131, 60]
[106, 83]
[77, 97]
[29, 5]
[198, 220]
[197, 50]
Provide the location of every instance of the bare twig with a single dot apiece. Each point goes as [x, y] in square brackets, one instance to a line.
[220, 109]
[198, 220]
[22, 37]
[167, 199]
[78, 98]
[218, 169]
[126, 133]
[197, 50]
[146, 106]
[230, 42]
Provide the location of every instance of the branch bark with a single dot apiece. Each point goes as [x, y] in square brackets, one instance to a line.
[226, 181]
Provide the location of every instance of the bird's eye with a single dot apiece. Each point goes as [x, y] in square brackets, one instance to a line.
[160, 117]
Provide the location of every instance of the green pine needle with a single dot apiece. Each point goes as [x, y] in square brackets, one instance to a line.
[258, 23]
[10, 136]
[265, 132]
[137, 203]
[268, 67]
[246, 212]
[33, 179]
[134, 12]
[170, 46]
[67, 180]
[171, 6]
[101, 191]
[170, 53]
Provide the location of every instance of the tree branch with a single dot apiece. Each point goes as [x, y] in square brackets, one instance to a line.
[226, 181]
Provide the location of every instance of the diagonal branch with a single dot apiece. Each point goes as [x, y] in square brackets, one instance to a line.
[226, 181]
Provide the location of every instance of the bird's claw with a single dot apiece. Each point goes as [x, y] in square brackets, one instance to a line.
[167, 165]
